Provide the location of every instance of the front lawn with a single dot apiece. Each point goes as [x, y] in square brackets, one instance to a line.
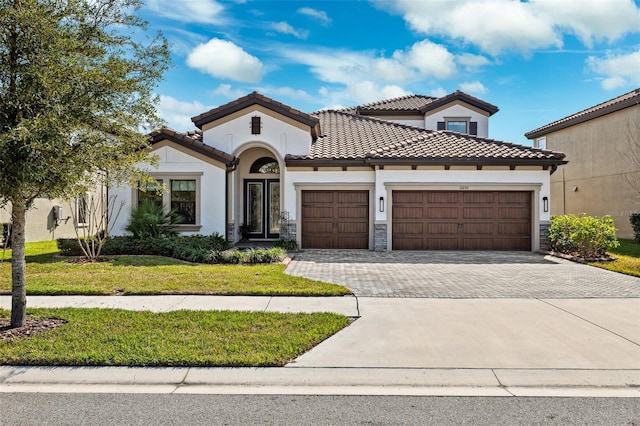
[627, 259]
[180, 338]
[150, 275]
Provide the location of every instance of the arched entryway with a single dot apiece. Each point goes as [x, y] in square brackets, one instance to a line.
[260, 203]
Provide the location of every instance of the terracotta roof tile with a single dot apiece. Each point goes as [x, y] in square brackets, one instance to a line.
[192, 140]
[607, 107]
[351, 137]
[403, 103]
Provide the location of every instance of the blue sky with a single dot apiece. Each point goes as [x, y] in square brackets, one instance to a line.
[538, 61]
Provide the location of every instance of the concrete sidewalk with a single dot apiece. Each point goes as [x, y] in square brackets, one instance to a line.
[398, 346]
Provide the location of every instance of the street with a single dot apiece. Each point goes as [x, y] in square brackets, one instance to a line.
[149, 409]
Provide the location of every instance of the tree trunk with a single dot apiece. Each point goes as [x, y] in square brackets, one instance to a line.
[18, 266]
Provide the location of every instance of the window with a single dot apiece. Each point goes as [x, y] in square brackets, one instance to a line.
[255, 125]
[265, 165]
[541, 143]
[457, 126]
[152, 192]
[83, 210]
[179, 192]
[183, 200]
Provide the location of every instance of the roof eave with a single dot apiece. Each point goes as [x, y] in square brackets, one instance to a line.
[549, 128]
[199, 147]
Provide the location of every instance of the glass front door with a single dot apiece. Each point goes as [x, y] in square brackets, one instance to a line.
[262, 208]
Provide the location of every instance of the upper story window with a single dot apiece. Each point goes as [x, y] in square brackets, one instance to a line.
[541, 143]
[460, 125]
[457, 126]
[265, 165]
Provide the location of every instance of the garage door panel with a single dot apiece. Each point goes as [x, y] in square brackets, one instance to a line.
[407, 229]
[514, 213]
[478, 198]
[317, 197]
[477, 213]
[407, 197]
[442, 213]
[408, 212]
[479, 228]
[461, 220]
[335, 219]
[353, 212]
[315, 212]
[441, 197]
[435, 228]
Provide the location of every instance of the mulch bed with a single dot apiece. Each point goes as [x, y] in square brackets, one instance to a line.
[34, 326]
[576, 258]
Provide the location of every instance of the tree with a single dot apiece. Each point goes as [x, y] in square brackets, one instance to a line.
[77, 81]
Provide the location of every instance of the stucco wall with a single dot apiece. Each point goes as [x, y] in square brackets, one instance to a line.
[283, 134]
[597, 179]
[458, 111]
[211, 191]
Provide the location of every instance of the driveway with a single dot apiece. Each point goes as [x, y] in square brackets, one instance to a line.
[461, 274]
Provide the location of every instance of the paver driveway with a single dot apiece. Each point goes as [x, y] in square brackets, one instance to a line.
[461, 274]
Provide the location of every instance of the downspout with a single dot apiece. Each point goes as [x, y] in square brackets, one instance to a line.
[231, 167]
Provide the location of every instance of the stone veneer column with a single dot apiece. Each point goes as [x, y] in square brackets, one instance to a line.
[380, 237]
[230, 231]
[545, 244]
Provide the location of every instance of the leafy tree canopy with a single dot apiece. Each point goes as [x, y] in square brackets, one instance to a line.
[76, 93]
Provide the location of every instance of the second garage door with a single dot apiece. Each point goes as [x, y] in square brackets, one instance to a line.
[335, 219]
[461, 220]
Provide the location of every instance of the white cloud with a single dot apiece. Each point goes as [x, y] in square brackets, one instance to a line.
[289, 92]
[472, 62]
[319, 15]
[286, 28]
[226, 91]
[178, 113]
[438, 93]
[223, 59]
[202, 11]
[423, 59]
[473, 87]
[617, 70]
[368, 91]
[497, 26]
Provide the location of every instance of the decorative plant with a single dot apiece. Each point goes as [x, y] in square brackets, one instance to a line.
[635, 225]
[149, 220]
[584, 236]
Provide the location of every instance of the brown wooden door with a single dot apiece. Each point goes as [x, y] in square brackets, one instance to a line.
[335, 219]
[461, 220]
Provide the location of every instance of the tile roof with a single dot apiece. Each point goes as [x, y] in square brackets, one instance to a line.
[420, 104]
[193, 141]
[408, 103]
[355, 137]
[612, 105]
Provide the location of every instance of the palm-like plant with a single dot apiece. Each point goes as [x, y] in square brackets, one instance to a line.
[150, 220]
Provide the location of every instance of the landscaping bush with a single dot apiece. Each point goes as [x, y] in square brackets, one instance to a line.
[195, 248]
[584, 236]
[149, 220]
[288, 245]
[635, 225]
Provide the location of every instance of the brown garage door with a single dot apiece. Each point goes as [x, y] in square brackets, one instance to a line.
[461, 220]
[335, 219]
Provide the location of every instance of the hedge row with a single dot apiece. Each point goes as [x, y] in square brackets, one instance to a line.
[195, 248]
[584, 236]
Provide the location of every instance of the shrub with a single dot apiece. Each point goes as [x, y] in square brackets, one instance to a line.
[635, 225]
[585, 236]
[288, 245]
[149, 220]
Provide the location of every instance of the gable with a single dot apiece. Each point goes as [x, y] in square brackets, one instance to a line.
[169, 152]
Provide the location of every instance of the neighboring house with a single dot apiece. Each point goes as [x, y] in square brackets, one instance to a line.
[49, 219]
[380, 176]
[602, 144]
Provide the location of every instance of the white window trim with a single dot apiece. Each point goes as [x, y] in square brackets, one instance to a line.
[453, 119]
[166, 196]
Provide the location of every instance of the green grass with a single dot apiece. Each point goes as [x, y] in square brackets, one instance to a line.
[150, 275]
[95, 337]
[627, 259]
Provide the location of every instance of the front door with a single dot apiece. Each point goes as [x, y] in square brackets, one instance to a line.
[262, 208]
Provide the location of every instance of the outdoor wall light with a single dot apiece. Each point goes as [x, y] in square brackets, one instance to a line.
[545, 204]
[381, 204]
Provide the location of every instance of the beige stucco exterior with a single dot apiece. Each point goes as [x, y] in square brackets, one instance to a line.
[603, 168]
